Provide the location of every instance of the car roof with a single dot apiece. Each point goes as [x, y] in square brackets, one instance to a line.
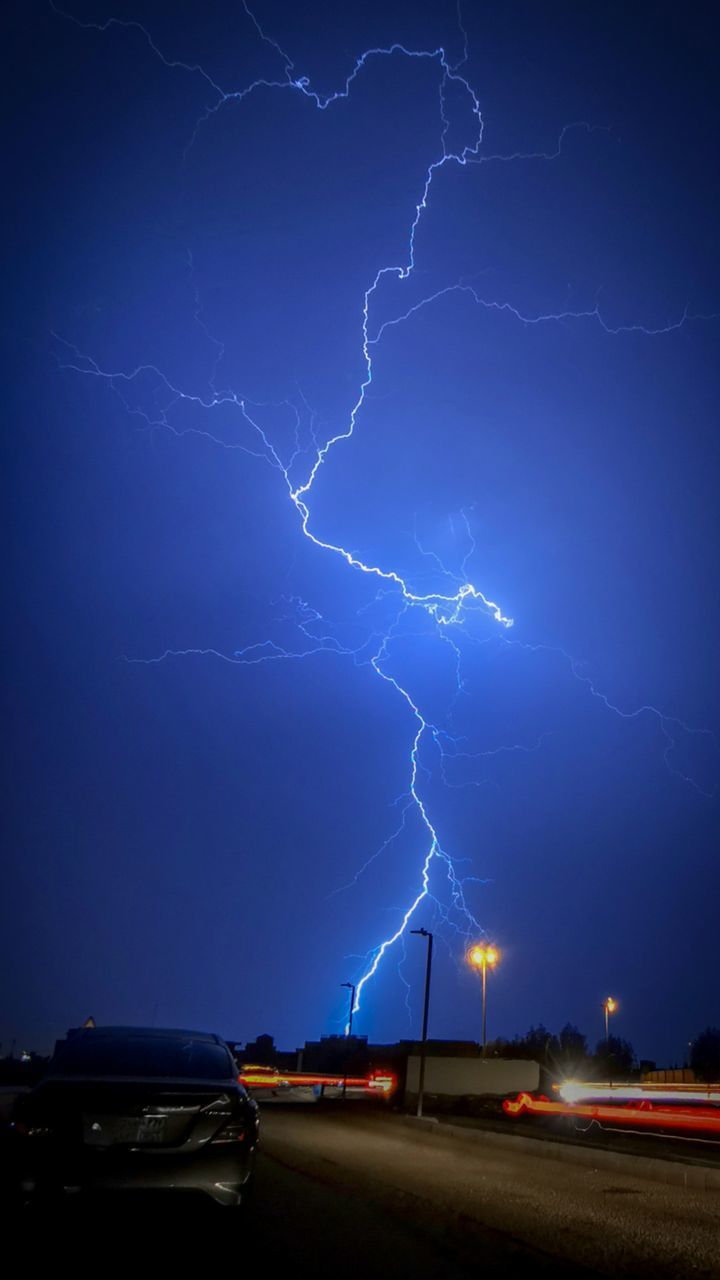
[159, 1033]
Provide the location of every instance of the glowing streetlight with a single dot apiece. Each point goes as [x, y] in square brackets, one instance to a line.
[610, 1006]
[483, 956]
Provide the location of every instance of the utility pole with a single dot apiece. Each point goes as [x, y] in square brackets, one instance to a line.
[424, 933]
[352, 989]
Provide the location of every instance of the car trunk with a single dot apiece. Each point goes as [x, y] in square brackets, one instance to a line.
[117, 1113]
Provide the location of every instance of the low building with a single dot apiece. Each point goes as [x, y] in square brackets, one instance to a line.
[669, 1075]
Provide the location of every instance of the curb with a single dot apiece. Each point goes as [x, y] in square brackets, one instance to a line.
[670, 1172]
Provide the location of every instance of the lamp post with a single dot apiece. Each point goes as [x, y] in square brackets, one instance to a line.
[352, 989]
[609, 1006]
[423, 933]
[483, 956]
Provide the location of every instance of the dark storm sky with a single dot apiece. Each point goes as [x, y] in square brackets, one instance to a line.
[175, 831]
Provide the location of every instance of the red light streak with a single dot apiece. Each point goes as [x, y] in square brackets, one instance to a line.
[644, 1114]
[268, 1078]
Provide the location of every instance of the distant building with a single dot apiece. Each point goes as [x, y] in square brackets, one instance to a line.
[262, 1051]
[336, 1053]
[355, 1056]
[669, 1075]
[443, 1048]
[350, 1055]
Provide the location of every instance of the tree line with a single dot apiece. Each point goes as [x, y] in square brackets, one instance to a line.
[567, 1053]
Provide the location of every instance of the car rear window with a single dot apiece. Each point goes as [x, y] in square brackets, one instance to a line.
[185, 1059]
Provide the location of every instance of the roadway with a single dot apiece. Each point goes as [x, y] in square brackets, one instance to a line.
[349, 1192]
[396, 1201]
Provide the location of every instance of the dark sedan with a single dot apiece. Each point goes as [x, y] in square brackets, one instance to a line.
[126, 1108]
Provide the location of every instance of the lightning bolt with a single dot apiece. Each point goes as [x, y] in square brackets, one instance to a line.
[146, 392]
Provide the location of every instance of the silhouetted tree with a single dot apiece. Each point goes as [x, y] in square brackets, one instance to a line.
[539, 1044]
[705, 1055]
[567, 1054]
[614, 1058]
[573, 1051]
[572, 1041]
[499, 1048]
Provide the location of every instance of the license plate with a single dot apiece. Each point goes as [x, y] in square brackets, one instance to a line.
[151, 1129]
[107, 1131]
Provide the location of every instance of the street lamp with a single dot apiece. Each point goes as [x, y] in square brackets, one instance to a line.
[423, 933]
[483, 956]
[610, 1006]
[352, 989]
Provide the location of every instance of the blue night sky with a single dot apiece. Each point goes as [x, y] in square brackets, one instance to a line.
[198, 219]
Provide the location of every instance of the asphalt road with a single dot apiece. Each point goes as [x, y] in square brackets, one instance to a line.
[347, 1193]
[395, 1201]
